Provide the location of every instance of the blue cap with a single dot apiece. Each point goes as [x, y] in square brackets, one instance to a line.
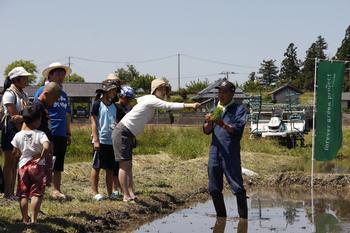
[127, 92]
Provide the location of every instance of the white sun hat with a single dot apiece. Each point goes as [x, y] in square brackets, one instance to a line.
[17, 72]
[56, 65]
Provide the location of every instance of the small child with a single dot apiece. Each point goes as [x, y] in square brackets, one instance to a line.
[103, 119]
[32, 146]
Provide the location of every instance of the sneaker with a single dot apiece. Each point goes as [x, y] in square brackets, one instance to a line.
[98, 197]
[114, 196]
[118, 194]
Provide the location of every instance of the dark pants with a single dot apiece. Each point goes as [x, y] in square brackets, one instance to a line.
[230, 167]
[218, 166]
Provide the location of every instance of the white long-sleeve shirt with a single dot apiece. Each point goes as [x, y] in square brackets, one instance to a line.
[143, 112]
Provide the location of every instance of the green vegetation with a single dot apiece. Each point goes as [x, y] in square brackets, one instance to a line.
[28, 65]
[217, 113]
[190, 142]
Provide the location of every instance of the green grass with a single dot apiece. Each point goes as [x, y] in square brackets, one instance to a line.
[190, 142]
[182, 142]
[307, 98]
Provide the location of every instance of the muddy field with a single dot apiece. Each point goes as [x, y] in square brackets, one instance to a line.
[163, 184]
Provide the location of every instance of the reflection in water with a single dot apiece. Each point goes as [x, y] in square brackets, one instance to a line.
[220, 225]
[326, 223]
[269, 211]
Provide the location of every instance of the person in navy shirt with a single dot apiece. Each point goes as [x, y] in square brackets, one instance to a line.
[60, 116]
[224, 155]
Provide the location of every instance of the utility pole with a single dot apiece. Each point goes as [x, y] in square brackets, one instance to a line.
[69, 64]
[226, 73]
[178, 71]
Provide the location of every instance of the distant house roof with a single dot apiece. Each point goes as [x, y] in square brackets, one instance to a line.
[281, 88]
[212, 92]
[72, 89]
[345, 96]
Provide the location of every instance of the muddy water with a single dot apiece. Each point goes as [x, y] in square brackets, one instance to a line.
[272, 211]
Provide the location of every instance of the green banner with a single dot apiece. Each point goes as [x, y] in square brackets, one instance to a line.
[328, 134]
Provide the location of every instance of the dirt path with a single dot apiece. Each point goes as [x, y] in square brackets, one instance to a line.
[163, 185]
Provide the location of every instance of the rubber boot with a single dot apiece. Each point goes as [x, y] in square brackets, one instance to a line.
[242, 205]
[219, 205]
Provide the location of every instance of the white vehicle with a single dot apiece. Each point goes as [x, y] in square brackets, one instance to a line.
[287, 125]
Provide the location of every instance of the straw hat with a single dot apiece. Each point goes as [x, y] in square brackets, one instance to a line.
[17, 72]
[56, 65]
[112, 76]
[156, 83]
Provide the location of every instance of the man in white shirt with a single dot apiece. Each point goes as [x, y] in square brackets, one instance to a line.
[132, 125]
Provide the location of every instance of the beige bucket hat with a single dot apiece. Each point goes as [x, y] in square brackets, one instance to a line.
[56, 65]
[17, 72]
[156, 83]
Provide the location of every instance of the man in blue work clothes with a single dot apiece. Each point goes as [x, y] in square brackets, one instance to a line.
[224, 155]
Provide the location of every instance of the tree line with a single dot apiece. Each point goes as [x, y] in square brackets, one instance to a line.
[129, 75]
[299, 74]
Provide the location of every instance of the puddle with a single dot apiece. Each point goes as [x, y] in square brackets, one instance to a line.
[273, 211]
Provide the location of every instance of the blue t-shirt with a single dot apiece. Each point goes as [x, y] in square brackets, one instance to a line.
[106, 118]
[57, 113]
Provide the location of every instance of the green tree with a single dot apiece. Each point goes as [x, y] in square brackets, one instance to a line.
[194, 87]
[28, 65]
[317, 48]
[290, 66]
[74, 78]
[127, 75]
[269, 73]
[142, 81]
[252, 77]
[343, 53]
[252, 84]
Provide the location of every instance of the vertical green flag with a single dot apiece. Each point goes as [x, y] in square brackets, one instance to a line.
[328, 134]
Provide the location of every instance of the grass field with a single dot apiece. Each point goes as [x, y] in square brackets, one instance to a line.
[189, 142]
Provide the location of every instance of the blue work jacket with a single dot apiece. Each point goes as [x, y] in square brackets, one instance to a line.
[224, 143]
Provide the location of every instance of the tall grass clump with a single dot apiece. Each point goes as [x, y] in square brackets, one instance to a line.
[81, 147]
[189, 143]
[181, 142]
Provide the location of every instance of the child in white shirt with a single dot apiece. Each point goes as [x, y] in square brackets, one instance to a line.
[32, 146]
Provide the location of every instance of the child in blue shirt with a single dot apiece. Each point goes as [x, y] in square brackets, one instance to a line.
[103, 119]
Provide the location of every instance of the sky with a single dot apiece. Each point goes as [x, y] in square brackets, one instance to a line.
[211, 36]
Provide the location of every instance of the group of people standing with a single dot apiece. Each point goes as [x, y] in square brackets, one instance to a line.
[35, 137]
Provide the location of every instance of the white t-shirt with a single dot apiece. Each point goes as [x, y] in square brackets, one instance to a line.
[10, 97]
[143, 112]
[29, 142]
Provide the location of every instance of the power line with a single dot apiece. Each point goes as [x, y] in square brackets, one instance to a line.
[218, 62]
[123, 62]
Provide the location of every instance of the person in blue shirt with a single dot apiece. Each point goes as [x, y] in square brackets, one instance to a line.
[103, 119]
[60, 117]
[224, 155]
